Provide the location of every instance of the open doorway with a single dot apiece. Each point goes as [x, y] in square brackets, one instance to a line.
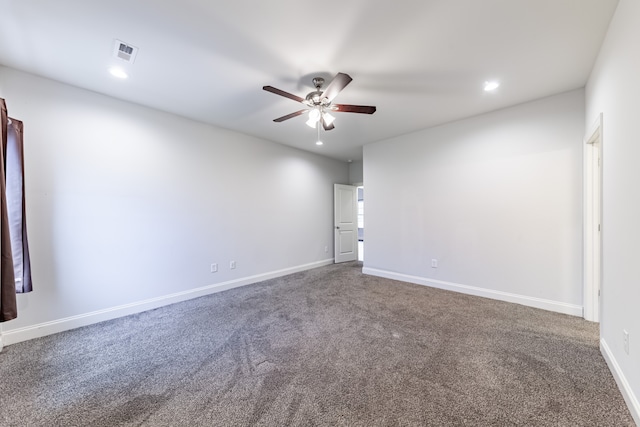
[360, 223]
[593, 222]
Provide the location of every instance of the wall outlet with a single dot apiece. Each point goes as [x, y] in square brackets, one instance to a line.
[214, 268]
[625, 337]
[434, 263]
[326, 249]
[232, 265]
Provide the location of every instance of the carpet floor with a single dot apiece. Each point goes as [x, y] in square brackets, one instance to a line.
[324, 347]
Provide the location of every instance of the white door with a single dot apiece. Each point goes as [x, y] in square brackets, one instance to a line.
[346, 223]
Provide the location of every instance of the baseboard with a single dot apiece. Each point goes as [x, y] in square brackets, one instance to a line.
[560, 307]
[627, 393]
[43, 329]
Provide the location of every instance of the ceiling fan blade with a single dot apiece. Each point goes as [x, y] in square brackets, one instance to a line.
[339, 82]
[289, 116]
[345, 108]
[327, 126]
[282, 93]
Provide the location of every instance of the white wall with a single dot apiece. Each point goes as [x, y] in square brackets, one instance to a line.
[127, 204]
[496, 199]
[614, 90]
[356, 172]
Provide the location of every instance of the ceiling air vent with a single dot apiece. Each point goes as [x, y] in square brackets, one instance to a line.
[124, 51]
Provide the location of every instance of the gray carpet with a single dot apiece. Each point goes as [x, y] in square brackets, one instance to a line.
[330, 347]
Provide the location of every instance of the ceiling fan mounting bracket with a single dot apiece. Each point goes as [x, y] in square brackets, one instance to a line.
[318, 82]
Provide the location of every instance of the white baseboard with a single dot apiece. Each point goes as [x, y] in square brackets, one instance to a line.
[43, 329]
[627, 393]
[560, 307]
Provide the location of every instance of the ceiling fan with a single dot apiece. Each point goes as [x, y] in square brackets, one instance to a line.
[319, 104]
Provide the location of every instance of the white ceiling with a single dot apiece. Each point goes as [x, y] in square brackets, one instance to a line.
[422, 62]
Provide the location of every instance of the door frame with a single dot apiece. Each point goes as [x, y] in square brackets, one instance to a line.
[592, 222]
[360, 252]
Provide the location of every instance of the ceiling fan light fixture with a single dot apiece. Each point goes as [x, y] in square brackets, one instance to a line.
[318, 103]
[328, 118]
[314, 115]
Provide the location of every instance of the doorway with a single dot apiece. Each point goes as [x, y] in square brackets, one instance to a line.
[593, 222]
[345, 223]
[360, 190]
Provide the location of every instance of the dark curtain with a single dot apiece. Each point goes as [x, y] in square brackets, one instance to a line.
[8, 307]
[15, 265]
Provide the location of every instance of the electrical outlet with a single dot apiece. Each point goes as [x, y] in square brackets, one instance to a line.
[434, 263]
[326, 249]
[214, 268]
[232, 265]
[625, 337]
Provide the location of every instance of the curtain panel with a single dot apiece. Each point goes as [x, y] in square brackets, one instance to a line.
[15, 263]
[14, 170]
[8, 306]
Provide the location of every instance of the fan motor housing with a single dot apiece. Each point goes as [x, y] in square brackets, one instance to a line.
[314, 98]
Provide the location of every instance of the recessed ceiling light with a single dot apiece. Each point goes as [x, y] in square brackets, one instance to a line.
[319, 142]
[118, 72]
[491, 85]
